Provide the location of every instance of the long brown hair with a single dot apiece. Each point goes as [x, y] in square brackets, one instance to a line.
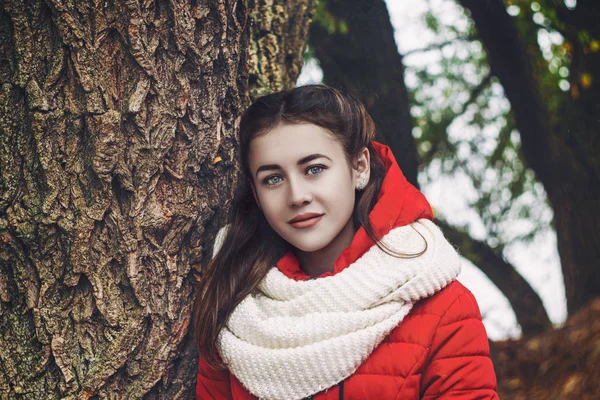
[250, 246]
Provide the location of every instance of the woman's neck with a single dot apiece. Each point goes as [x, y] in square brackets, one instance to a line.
[318, 262]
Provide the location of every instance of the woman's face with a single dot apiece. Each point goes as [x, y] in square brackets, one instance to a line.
[305, 186]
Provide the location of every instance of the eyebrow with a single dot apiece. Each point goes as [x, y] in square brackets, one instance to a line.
[304, 160]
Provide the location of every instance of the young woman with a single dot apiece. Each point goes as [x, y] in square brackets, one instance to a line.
[331, 281]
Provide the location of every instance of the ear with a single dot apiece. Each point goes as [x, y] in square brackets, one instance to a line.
[362, 167]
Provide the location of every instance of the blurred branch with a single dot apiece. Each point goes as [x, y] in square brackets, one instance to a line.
[475, 93]
[439, 46]
[526, 303]
[511, 63]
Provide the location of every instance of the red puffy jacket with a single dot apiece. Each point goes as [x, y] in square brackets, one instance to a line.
[440, 350]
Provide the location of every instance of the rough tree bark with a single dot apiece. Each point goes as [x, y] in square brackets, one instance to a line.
[117, 157]
[562, 148]
[365, 61]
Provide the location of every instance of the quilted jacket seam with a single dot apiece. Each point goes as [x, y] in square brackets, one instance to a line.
[460, 320]
[462, 356]
[451, 304]
[389, 375]
[405, 342]
[423, 356]
[484, 388]
[425, 313]
[435, 331]
[410, 374]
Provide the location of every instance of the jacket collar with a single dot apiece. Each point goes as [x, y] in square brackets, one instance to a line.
[399, 203]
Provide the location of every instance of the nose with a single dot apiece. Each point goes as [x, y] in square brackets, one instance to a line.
[299, 193]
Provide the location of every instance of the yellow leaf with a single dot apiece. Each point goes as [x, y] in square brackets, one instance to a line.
[514, 383]
[568, 47]
[586, 80]
[533, 344]
[571, 384]
[217, 159]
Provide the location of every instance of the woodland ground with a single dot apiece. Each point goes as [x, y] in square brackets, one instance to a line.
[559, 364]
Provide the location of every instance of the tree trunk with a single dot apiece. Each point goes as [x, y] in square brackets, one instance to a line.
[562, 147]
[361, 57]
[117, 160]
[364, 59]
[525, 302]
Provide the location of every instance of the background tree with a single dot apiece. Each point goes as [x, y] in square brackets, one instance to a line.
[354, 43]
[558, 129]
[540, 145]
[116, 164]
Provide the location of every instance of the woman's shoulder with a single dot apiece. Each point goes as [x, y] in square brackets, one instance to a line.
[452, 304]
[455, 298]
[445, 325]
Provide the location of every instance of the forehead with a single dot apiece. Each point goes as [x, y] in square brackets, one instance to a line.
[289, 143]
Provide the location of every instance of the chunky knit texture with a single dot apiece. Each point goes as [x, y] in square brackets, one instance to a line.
[292, 339]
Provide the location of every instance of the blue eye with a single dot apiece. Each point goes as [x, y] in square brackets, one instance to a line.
[272, 180]
[315, 169]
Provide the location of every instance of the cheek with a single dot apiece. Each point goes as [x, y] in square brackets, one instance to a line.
[271, 205]
[345, 201]
[340, 195]
[341, 183]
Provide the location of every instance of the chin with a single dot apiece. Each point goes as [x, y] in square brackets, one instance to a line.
[308, 246]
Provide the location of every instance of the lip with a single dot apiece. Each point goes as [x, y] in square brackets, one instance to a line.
[305, 220]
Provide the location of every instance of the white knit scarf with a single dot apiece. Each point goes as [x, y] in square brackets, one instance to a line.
[291, 339]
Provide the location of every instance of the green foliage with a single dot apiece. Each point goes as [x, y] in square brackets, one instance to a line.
[331, 24]
[552, 50]
[463, 128]
[431, 22]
